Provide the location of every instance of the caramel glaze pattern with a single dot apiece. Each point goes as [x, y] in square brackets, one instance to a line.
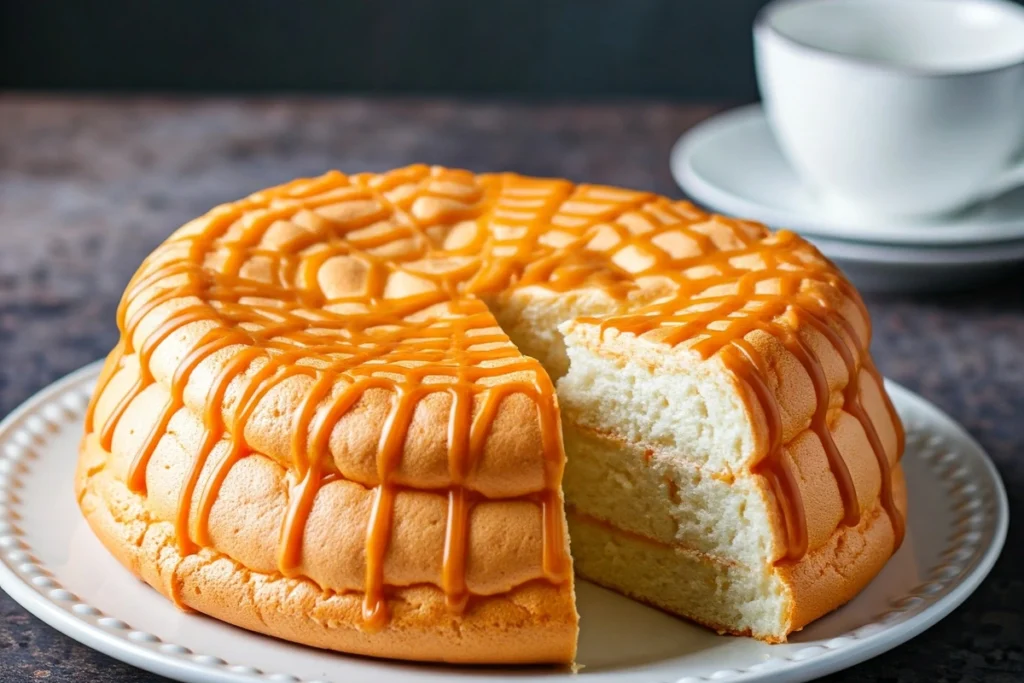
[419, 251]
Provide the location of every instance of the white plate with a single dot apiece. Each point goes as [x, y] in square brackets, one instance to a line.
[52, 564]
[732, 164]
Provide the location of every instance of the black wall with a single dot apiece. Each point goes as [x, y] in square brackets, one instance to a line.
[687, 49]
[684, 49]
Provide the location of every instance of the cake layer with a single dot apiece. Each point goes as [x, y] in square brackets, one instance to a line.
[767, 602]
[671, 500]
[678, 498]
[729, 598]
[533, 622]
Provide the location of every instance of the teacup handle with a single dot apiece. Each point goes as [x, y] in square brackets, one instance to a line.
[1008, 179]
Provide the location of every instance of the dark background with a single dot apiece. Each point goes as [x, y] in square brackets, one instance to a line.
[678, 49]
[683, 50]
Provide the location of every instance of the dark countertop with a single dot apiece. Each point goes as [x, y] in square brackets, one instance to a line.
[89, 186]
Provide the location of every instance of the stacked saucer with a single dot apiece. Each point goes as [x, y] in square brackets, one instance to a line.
[732, 164]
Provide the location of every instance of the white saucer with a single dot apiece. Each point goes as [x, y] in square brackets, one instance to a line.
[53, 565]
[732, 164]
[886, 268]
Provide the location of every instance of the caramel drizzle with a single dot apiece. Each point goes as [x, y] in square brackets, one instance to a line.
[266, 346]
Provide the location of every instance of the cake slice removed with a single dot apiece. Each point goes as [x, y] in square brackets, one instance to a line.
[676, 478]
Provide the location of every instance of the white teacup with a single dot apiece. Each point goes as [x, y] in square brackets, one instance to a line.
[896, 107]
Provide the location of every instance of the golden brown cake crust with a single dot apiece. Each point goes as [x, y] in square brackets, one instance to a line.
[835, 572]
[311, 391]
[534, 622]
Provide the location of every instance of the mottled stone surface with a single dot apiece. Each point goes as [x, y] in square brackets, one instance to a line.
[89, 186]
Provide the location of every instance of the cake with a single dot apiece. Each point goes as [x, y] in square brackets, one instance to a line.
[369, 412]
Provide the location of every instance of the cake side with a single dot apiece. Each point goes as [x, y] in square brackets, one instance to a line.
[231, 554]
[664, 497]
[534, 622]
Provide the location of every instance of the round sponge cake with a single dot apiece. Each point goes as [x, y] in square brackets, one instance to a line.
[332, 414]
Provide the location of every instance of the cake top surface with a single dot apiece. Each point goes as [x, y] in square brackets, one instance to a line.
[278, 317]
